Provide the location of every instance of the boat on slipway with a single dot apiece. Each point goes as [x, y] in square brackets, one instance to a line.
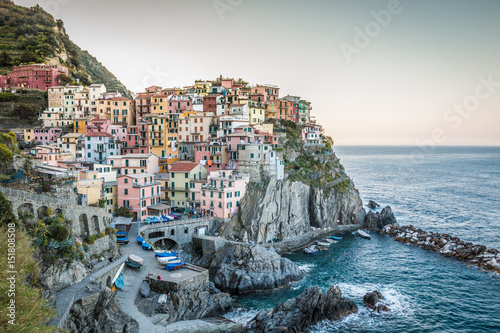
[363, 234]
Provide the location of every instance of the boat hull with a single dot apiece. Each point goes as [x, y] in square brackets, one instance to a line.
[172, 267]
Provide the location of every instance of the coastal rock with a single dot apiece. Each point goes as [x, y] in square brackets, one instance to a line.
[372, 300]
[379, 220]
[478, 255]
[372, 204]
[281, 209]
[61, 275]
[186, 305]
[299, 313]
[100, 313]
[240, 269]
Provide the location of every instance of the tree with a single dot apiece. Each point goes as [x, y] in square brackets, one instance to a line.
[5, 59]
[63, 79]
[6, 214]
[29, 56]
[124, 211]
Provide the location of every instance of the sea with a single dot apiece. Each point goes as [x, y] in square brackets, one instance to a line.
[453, 190]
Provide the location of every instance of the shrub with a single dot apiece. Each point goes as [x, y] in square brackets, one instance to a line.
[59, 232]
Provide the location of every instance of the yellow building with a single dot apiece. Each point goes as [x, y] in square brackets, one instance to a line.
[202, 88]
[257, 113]
[80, 125]
[110, 190]
[180, 184]
[162, 134]
[89, 185]
[122, 111]
[159, 104]
[271, 110]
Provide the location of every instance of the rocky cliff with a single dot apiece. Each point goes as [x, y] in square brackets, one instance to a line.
[299, 313]
[100, 313]
[242, 269]
[280, 209]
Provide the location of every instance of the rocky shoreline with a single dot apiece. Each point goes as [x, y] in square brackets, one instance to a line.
[487, 259]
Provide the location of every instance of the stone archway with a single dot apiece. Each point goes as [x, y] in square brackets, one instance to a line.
[26, 208]
[157, 234]
[84, 225]
[42, 212]
[95, 224]
[167, 243]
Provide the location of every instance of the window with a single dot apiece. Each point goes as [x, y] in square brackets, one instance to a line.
[251, 155]
[186, 175]
[125, 180]
[125, 191]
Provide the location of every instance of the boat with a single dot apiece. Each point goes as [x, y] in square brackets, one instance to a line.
[363, 234]
[330, 241]
[310, 250]
[133, 264]
[122, 240]
[325, 244]
[139, 239]
[119, 283]
[145, 289]
[336, 237]
[135, 258]
[146, 246]
[121, 233]
[162, 251]
[118, 272]
[169, 260]
[171, 267]
[162, 299]
[166, 254]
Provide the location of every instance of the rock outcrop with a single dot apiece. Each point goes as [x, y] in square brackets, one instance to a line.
[100, 313]
[61, 275]
[240, 269]
[478, 255]
[186, 305]
[299, 313]
[372, 204]
[280, 209]
[372, 300]
[377, 221]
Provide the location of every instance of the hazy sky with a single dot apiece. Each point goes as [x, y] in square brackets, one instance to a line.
[376, 72]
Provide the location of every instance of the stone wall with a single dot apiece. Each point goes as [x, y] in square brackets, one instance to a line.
[197, 283]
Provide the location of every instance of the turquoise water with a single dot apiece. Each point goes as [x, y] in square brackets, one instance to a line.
[452, 190]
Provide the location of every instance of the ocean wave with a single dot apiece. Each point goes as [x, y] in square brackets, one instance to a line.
[306, 267]
[398, 303]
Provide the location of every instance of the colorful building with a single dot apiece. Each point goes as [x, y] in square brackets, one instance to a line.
[44, 135]
[36, 76]
[222, 192]
[141, 194]
[180, 186]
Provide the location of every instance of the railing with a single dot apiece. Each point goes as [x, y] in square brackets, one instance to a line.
[181, 189]
[145, 184]
[176, 223]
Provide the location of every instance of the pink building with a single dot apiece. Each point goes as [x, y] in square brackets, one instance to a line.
[44, 135]
[51, 155]
[222, 192]
[37, 76]
[142, 195]
[131, 141]
[4, 82]
[311, 134]
[98, 125]
[213, 156]
[179, 104]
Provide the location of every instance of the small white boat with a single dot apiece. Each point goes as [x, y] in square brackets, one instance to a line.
[363, 234]
[325, 244]
[135, 258]
[168, 260]
[162, 299]
[310, 250]
[162, 251]
[331, 241]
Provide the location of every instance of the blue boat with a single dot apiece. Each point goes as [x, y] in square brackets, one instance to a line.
[310, 250]
[166, 254]
[139, 239]
[146, 246]
[336, 237]
[119, 283]
[171, 267]
[122, 240]
[121, 234]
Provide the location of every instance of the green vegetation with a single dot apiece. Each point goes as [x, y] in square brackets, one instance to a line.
[31, 35]
[31, 311]
[124, 211]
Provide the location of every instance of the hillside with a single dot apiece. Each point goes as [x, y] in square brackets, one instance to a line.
[31, 35]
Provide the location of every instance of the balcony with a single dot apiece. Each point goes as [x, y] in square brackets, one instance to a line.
[100, 150]
[139, 185]
[179, 189]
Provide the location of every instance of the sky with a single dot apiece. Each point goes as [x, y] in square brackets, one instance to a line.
[376, 72]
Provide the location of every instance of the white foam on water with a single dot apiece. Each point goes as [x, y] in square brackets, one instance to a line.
[398, 303]
[306, 267]
[241, 315]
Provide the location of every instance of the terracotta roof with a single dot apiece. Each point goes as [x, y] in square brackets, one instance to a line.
[97, 134]
[183, 166]
[120, 99]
